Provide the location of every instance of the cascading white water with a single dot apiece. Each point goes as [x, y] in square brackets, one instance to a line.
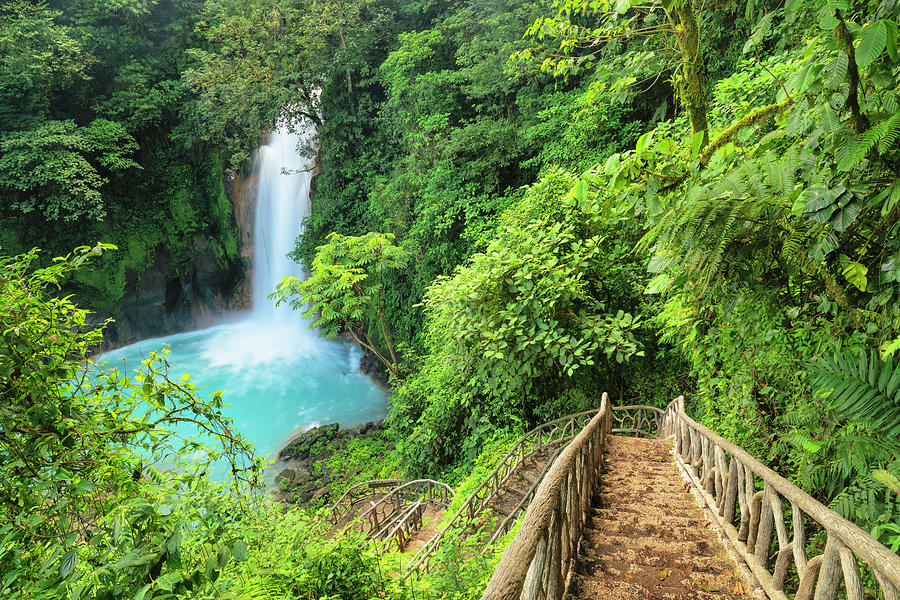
[272, 334]
[281, 205]
[278, 376]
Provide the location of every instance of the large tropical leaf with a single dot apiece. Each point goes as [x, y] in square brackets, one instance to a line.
[862, 388]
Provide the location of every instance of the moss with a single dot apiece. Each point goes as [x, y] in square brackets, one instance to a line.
[310, 443]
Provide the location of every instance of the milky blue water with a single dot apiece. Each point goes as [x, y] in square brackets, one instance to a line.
[278, 377]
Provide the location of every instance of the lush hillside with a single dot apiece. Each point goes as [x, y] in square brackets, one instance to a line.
[101, 141]
[520, 205]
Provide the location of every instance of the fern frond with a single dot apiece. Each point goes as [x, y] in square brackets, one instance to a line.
[863, 389]
[889, 138]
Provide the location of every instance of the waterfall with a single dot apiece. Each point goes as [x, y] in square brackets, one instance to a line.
[281, 204]
[270, 334]
[278, 375]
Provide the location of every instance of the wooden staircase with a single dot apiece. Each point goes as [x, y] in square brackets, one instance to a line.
[645, 536]
[635, 531]
[513, 497]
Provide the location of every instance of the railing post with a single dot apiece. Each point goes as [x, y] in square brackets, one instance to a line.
[830, 572]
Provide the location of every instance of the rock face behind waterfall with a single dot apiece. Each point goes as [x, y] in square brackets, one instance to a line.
[182, 293]
[167, 298]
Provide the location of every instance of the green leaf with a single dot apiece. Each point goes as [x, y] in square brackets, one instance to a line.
[759, 32]
[837, 70]
[855, 273]
[818, 198]
[872, 44]
[843, 217]
[167, 582]
[889, 348]
[891, 39]
[696, 144]
[143, 592]
[67, 563]
[239, 550]
[887, 479]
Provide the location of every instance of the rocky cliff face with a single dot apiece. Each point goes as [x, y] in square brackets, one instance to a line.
[165, 299]
[188, 291]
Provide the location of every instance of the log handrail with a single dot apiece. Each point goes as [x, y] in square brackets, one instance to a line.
[537, 562]
[355, 493]
[379, 515]
[757, 523]
[543, 436]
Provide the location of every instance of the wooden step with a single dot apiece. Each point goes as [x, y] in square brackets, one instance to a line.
[646, 538]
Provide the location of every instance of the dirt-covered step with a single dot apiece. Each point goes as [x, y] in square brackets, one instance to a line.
[630, 515]
[625, 589]
[643, 529]
[661, 479]
[701, 568]
[638, 550]
[651, 498]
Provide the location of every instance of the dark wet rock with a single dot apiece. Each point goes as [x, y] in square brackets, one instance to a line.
[371, 366]
[303, 478]
[311, 442]
[287, 475]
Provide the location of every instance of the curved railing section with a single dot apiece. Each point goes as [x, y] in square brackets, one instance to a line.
[404, 528]
[541, 437]
[379, 519]
[637, 419]
[538, 560]
[358, 492]
[750, 503]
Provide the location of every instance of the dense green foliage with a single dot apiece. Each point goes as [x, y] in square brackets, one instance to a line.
[650, 198]
[751, 224]
[100, 481]
[345, 289]
[100, 139]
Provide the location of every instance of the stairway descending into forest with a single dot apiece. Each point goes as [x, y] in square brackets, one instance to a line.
[645, 537]
[389, 510]
[637, 531]
[496, 504]
[407, 517]
[377, 509]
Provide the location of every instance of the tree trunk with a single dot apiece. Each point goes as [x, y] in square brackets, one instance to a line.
[690, 82]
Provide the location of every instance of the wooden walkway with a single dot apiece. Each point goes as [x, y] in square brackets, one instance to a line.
[645, 537]
[613, 519]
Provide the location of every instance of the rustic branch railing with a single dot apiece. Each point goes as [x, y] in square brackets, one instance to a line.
[355, 493]
[404, 528]
[379, 519]
[538, 560]
[769, 538]
[516, 512]
[637, 419]
[547, 435]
